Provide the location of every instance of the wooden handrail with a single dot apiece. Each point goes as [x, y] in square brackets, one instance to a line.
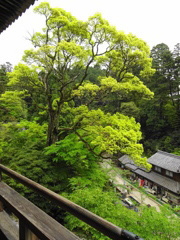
[83, 214]
[32, 220]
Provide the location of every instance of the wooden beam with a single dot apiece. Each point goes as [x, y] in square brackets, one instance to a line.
[42, 225]
[105, 227]
[8, 227]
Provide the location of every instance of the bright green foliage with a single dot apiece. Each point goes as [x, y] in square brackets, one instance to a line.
[17, 137]
[82, 165]
[12, 107]
[26, 75]
[128, 85]
[146, 223]
[4, 68]
[31, 85]
[105, 133]
[127, 88]
[176, 151]
[99, 202]
[66, 49]
[109, 133]
[88, 188]
[73, 152]
[158, 225]
[21, 149]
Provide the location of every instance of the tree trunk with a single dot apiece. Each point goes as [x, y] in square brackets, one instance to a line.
[53, 124]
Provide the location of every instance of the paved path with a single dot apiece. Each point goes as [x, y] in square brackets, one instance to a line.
[141, 197]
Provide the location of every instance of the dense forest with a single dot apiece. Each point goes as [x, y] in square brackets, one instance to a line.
[160, 117]
[84, 91]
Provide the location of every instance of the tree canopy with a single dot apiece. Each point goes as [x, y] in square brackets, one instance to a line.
[55, 77]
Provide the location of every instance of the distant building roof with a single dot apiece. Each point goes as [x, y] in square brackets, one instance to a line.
[162, 159]
[163, 181]
[10, 10]
[166, 160]
[126, 159]
[129, 163]
[131, 166]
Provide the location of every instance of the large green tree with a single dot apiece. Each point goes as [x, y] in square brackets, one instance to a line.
[56, 77]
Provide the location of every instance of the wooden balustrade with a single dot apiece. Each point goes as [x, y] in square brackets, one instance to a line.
[34, 224]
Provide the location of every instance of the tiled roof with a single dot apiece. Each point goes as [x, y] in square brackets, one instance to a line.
[126, 159]
[161, 159]
[131, 166]
[10, 10]
[129, 163]
[166, 160]
[163, 181]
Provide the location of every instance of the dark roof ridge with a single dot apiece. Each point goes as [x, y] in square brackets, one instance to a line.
[12, 10]
[169, 154]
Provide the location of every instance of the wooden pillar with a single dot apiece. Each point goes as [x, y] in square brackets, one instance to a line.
[25, 233]
[1, 206]
[0, 174]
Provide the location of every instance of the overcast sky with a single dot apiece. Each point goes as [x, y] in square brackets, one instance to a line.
[154, 21]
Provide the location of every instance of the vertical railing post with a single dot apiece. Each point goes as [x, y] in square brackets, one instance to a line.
[25, 233]
[0, 173]
[1, 204]
[22, 231]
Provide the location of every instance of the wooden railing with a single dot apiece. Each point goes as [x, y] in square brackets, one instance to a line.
[35, 224]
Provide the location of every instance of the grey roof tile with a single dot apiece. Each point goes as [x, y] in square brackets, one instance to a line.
[162, 159]
[166, 160]
[125, 159]
[131, 166]
[163, 181]
[129, 163]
